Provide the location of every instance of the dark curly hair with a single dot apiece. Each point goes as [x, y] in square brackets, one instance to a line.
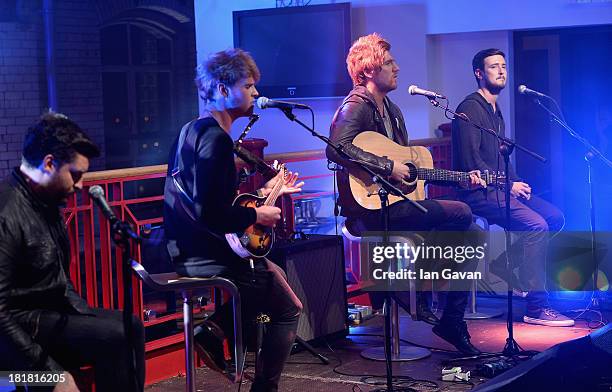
[56, 134]
[478, 60]
[227, 67]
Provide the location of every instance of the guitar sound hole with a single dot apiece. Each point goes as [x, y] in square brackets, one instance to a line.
[412, 179]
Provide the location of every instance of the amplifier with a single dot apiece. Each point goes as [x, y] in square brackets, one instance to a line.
[315, 271]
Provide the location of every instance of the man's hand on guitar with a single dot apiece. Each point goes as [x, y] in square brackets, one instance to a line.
[476, 180]
[289, 186]
[400, 171]
[521, 189]
[268, 215]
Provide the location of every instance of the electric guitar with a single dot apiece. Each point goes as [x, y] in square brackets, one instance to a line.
[256, 240]
[420, 164]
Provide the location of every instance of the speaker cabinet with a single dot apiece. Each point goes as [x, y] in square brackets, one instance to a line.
[315, 271]
[577, 365]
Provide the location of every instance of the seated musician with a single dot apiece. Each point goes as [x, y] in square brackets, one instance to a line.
[200, 187]
[44, 324]
[533, 219]
[368, 108]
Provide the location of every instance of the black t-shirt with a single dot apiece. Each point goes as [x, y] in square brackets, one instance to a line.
[474, 149]
[208, 176]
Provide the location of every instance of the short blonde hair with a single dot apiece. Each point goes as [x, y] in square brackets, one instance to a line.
[366, 54]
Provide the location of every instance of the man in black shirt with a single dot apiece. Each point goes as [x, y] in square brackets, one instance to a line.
[44, 324]
[200, 187]
[531, 217]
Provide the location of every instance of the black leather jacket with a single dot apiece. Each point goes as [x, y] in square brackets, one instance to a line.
[358, 113]
[34, 265]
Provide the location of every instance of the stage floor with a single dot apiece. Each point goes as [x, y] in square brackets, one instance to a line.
[347, 368]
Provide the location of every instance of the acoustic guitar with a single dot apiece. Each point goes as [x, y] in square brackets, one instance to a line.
[420, 164]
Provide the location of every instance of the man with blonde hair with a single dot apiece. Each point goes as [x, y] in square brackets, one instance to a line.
[368, 108]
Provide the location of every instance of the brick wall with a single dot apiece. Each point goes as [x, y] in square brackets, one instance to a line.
[22, 82]
[23, 87]
[79, 83]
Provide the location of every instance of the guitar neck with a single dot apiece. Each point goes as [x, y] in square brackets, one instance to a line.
[271, 199]
[441, 175]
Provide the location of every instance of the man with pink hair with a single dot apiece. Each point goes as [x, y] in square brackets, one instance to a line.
[368, 108]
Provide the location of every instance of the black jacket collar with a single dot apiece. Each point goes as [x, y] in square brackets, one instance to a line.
[19, 181]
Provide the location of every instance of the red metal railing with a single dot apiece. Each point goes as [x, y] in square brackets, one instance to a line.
[96, 262]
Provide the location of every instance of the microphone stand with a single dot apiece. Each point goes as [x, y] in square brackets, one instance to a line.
[122, 235]
[385, 188]
[506, 147]
[591, 153]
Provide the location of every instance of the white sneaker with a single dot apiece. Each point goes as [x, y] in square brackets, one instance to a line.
[549, 317]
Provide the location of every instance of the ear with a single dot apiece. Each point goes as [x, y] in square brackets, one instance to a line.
[478, 74]
[48, 164]
[368, 73]
[222, 89]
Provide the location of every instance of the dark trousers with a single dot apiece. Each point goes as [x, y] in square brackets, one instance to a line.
[442, 215]
[532, 221]
[74, 340]
[263, 289]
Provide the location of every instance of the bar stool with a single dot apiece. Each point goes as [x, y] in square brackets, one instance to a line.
[398, 351]
[472, 313]
[188, 287]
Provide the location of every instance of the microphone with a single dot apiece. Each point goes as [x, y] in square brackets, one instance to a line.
[414, 90]
[527, 91]
[264, 103]
[97, 194]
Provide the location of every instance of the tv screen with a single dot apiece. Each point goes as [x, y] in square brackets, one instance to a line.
[300, 51]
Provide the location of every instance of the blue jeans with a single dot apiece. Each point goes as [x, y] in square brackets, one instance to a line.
[533, 220]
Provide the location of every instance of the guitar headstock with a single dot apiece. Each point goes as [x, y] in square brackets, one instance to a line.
[280, 168]
[283, 169]
[276, 165]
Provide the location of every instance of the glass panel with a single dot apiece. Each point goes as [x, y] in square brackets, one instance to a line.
[153, 97]
[153, 117]
[148, 49]
[117, 121]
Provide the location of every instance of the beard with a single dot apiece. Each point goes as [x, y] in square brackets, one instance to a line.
[495, 88]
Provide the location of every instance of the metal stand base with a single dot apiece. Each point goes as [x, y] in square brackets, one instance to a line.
[398, 353]
[406, 353]
[482, 314]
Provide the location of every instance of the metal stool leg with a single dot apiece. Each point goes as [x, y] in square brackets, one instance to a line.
[188, 327]
[399, 353]
[238, 348]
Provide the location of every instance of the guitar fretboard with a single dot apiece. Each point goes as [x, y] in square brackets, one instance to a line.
[439, 175]
[271, 199]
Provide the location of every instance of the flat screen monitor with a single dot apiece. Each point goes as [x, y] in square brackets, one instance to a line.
[300, 51]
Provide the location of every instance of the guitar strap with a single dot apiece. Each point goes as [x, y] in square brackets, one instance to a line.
[176, 172]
